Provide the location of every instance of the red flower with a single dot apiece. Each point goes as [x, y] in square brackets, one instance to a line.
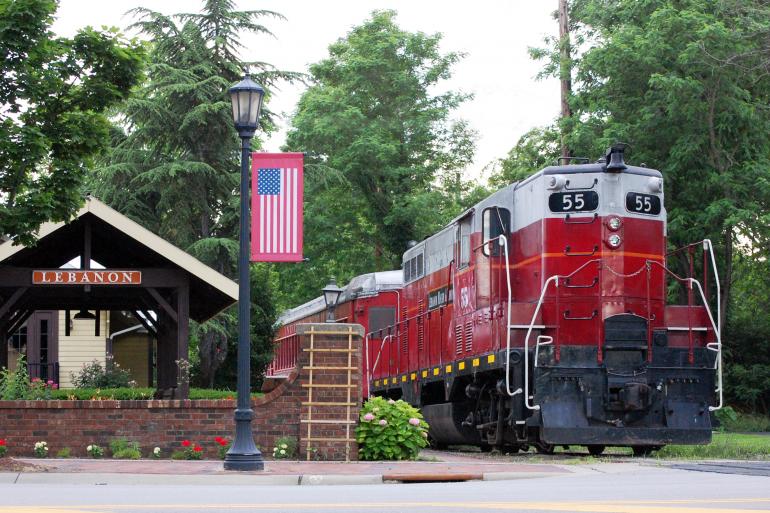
[186, 443]
[222, 442]
[218, 439]
[197, 448]
[2, 442]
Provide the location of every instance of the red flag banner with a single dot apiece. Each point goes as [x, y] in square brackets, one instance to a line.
[276, 207]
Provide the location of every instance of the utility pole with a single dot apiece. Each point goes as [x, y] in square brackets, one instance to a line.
[565, 73]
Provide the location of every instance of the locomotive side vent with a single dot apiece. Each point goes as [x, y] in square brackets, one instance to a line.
[420, 325]
[458, 339]
[468, 336]
[404, 332]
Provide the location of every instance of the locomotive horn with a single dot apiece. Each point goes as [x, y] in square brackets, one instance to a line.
[615, 158]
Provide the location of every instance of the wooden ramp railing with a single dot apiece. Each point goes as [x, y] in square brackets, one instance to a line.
[327, 401]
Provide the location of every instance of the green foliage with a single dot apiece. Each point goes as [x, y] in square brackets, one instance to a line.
[731, 446]
[175, 166]
[285, 448]
[94, 451]
[64, 452]
[15, 384]
[390, 430]
[94, 375]
[535, 150]
[381, 139]
[178, 455]
[55, 93]
[122, 449]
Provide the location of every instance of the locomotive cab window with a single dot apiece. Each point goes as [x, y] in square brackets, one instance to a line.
[464, 242]
[496, 221]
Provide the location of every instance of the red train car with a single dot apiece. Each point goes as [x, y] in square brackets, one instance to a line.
[371, 300]
[540, 317]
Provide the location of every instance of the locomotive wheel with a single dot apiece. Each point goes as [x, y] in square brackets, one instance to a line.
[510, 449]
[544, 448]
[641, 451]
[595, 450]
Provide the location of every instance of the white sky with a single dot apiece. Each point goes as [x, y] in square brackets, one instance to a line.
[494, 34]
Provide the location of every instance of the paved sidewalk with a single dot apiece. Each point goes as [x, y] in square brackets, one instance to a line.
[104, 471]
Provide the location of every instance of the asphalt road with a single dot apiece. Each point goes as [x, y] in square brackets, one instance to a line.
[624, 488]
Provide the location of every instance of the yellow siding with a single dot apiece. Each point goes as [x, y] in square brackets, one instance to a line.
[81, 346]
[130, 353]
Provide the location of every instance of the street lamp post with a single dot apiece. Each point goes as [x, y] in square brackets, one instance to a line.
[246, 98]
[331, 295]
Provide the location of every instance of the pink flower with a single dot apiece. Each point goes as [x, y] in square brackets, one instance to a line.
[414, 421]
[35, 380]
[49, 382]
[369, 417]
[391, 401]
[55, 386]
[383, 422]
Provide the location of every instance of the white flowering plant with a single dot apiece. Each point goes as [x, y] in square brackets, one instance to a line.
[95, 451]
[285, 448]
[41, 449]
[156, 453]
[390, 430]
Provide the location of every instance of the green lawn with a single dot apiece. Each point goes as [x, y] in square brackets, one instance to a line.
[732, 446]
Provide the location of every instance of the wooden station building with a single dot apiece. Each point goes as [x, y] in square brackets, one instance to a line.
[102, 285]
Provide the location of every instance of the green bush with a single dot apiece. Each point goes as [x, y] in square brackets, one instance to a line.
[93, 375]
[64, 452]
[15, 385]
[122, 449]
[285, 448]
[134, 394]
[390, 430]
[731, 420]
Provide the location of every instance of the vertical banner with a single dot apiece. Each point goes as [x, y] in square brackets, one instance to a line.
[276, 207]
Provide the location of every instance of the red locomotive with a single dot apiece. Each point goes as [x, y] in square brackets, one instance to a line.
[540, 317]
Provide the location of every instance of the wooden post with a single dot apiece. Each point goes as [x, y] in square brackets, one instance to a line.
[565, 73]
[183, 338]
[3, 347]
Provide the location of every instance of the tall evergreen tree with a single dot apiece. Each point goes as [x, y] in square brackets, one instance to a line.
[175, 165]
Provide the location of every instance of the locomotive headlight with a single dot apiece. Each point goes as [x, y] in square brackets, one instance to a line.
[554, 182]
[613, 223]
[614, 240]
[655, 184]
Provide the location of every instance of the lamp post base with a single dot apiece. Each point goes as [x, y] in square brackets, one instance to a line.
[244, 462]
[244, 454]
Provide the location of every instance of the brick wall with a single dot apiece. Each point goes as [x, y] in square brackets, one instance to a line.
[165, 423]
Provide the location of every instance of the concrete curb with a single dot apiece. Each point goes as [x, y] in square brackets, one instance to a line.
[124, 479]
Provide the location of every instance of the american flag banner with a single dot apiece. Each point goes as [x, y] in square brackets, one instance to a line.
[276, 207]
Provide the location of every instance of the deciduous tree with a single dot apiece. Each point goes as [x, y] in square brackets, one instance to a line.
[54, 93]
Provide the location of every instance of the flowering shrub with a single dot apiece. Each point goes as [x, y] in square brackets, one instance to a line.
[390, 430]
[3, 447]
[95, 451]
[224, 446]
[285, 448]
[41, 449]
[190, 451]
[156, 453]
[93, 375]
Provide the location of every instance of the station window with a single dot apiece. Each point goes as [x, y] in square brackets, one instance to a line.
[495, 222]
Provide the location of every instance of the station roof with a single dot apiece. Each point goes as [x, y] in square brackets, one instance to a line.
[120, 243]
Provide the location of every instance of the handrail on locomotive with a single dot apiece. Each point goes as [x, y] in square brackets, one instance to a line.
[716, 326]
